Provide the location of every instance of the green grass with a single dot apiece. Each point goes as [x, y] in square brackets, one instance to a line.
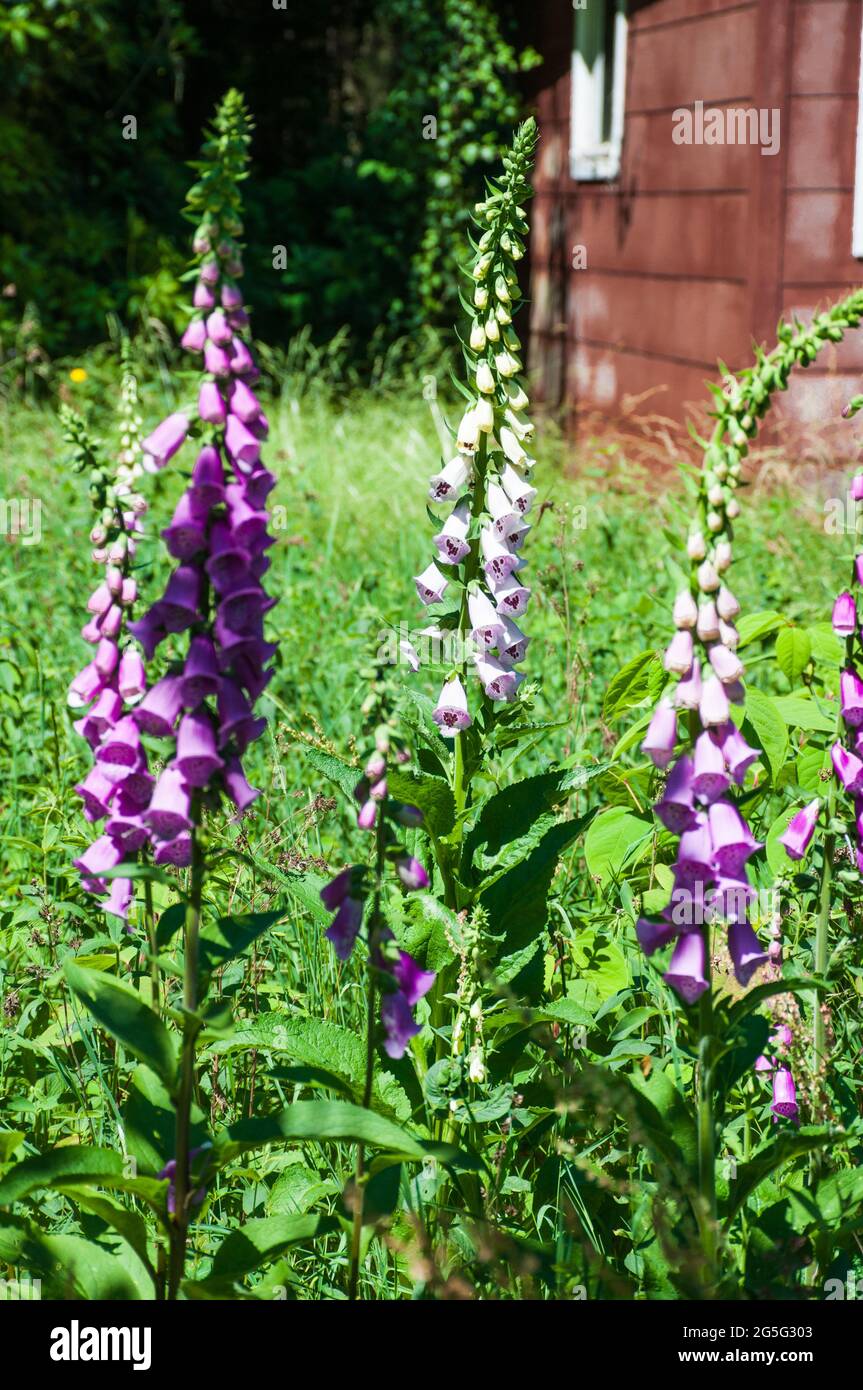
[352, 530]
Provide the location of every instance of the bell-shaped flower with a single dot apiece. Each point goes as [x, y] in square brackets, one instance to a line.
[169, 812]
[451, 712]
[166, 439]
[197, 758]
[661, 737]
[687, 692]
[676, 807]
[848, 768]
[451, 541]
[797, 835]
[431, 584]
[488, 628]
[851, 698]
[498, 681]
[713, 705]
[158, 712]
[679, 653]
[784, 1095]
[747, 954]
[686, 970]
[446, 485]
[733, 841]
[399, 1024]
[710, 776]
[511, 598]
[845, 615]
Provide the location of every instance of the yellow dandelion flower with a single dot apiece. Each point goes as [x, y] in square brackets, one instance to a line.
[77, 374]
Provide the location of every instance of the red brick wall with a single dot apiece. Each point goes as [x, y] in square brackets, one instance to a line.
[695, 250]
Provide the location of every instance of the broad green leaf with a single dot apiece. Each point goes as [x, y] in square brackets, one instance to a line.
[333, 768]
[323, 1121]
[793, 652]
[769, 728]
[320, 1043]
[127, 1223]
[810, 766]
[802, 712]
[51, 1169]
[827, 648]
[429, 927]
[124, 1014]
[263, 1239]
[640, 679]
[753, 626]
[776, 1154]
[228, 937]
[612, 836]
[431, 794]
[297, 1189]
[517, 903]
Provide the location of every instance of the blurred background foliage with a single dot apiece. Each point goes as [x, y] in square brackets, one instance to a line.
[349, 175]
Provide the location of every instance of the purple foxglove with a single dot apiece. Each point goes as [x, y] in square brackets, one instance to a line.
[333, 894]
[85, 687]
[736, 751]
[229, 561]
[186, 535]
[195, 336]
[399, 1024]
[685, 612]
[678, 653]
[207, 487]
[166, 439]
[111, 624]
[100, 600]
[784, 1095]
[235, 716]
[431, 584]
[448, 483]
[451, 712]
[96, 791]
[687, 692]
[158, 712]
[180, 603]
[708, 579]
[344, 929]
[848, 768]
[487, 625]
[412, 873]
[244, 403]
[652, 936]
[128, 830]
[412, 981]
[102, 716]
[197, 758]
[120, 898]
[122, 746]
[762, 1064]
[685, 973]
[722, 556]
[498, 682]
[239, 789]
[798, 834]
[135, 787]
[200, 673]
[248, 526]
[845, 615]
[676, 808]
[177, 851]
[242, 362]
[520, 493]
[216, 361]
[498, 560]
[733, 841]
[368, 815]
[726, 604]
[710, 777]
[783, 1037]
[217, 328]
[232, 297]
[168, 814]
[661, 736]
[102, 855]
[713, 706]
[511, 599]
[211, 407]
[241, 444]
[731, 897]
[726, 664]
[149, 630]
[729, 637]
[203, 297]
[512, 646]
[695, 855]
[851, 698]
[209, 272]
[259, 485]
[687, 907]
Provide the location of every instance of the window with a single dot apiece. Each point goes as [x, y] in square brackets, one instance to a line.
[598, 88]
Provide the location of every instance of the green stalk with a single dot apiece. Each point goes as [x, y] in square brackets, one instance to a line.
[706, 1121]
[191, 932]
[371, 1005]
[150, 926]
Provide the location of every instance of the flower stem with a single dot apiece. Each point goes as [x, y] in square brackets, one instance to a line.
[706, 1124]
[150, 924]
[185, 1092]
[371, 1006]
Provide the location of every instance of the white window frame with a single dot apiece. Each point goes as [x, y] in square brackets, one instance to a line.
[591, 157]
[857, 225]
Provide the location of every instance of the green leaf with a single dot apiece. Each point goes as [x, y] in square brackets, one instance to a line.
[324, 1121]
[124, 1014]
[431, 794]
[769, 728]
[429, 928]
[57, 1166]
[793, 652]
[802, 712]
[827, 648]
[336, 1053]
[336, 770]
[774, 1155]
[128, 1224]
[612, 837]
[228, 937]
[263, 1239]
[640, 679]
[753, 626]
